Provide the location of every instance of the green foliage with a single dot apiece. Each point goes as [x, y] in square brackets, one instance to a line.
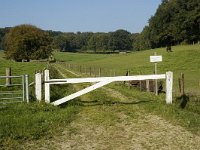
[175, 21]
[97, 42]
[3, 31]
[27, 42]
[120, 40]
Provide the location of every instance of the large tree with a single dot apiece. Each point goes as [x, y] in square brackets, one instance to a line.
[27, 42]
[120, 40]
[3, 31]
[175, 21]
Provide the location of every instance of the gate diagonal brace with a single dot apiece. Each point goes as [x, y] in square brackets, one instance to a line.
[82, 92]
[99, 82]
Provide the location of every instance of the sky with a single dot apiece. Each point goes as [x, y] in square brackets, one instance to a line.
[79, 15]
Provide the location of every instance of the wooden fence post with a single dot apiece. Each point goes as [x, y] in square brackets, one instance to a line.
[90, 71]
[155, 72]
[99, 72]
[179, 84]
[85, 70]
[169, 85]
[183, 84]
[38, 86]
[147, 85]
[140, 83]
[80, 68]
[47, 86]
[8, 73]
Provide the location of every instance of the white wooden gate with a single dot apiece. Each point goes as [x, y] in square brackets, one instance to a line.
[100, 81]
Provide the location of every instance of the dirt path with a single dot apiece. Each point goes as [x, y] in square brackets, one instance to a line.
[143, 132]
[121, 127]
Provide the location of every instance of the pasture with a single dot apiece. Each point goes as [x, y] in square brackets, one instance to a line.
[183, 59]
[113, 117]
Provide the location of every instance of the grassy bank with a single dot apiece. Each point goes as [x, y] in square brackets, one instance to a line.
[21, 122]
[112, 110]
[183, 59]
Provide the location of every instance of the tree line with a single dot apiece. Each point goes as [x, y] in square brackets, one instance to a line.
[97, 42]
[175, 22]
[121, 40]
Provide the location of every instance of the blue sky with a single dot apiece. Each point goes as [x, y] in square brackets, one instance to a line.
[79, 15]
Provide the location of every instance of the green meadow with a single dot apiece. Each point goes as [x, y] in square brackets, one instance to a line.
[183, 59]
[115, 107]
[20, 68]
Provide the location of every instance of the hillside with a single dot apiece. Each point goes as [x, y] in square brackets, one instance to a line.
[183, 59]
[112, 117]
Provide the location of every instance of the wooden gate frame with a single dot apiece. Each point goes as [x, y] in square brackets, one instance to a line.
[99, 82]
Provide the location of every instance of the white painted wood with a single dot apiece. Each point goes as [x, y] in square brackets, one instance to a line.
[99, 79]
[46, 86]
[169, 85]
[27, 90]
[38, 86]
[23, 87]
[155, 58]
[79, 93]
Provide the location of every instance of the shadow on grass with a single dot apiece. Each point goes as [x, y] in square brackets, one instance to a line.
[97, 103]
[78, 102]
[182, 100]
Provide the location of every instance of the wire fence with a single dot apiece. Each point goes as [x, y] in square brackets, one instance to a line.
[91, 71]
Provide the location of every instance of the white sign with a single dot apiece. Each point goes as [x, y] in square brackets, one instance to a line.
[155, 58]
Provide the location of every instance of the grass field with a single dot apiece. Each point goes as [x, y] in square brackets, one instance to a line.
[113, 117]
[183, 59]
[20, 68]
[20, 122]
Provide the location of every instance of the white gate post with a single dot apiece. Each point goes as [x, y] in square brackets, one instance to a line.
[27, 91]
[169, 85]
[46, 86]
[38, 86]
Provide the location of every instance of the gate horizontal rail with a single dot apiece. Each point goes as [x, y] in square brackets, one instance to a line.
[101, 81]
[11, 76]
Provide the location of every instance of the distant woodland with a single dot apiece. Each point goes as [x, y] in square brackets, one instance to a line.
[175, 22]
